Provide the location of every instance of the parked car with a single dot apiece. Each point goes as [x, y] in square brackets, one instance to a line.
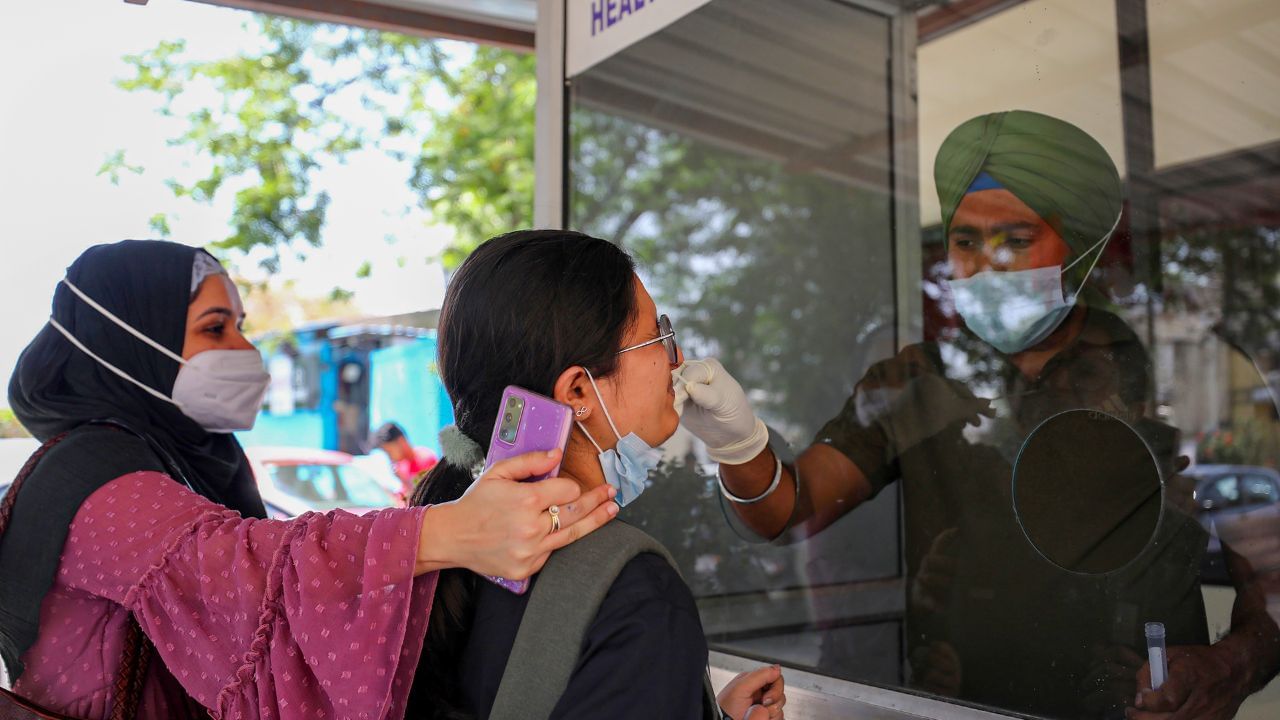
[292, 480]
[298, 480]
[1238, 505]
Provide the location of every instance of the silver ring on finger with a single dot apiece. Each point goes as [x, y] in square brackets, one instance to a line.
[554, 510]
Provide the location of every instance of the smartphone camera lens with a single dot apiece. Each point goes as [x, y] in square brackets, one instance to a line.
[509, 427]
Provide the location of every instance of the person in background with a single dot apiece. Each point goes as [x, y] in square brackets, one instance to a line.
[139, 576]
[409, 462]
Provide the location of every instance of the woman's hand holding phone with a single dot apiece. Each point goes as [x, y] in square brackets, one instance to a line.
[529, 422]
[500, 526]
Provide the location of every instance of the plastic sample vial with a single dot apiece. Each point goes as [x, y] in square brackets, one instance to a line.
[1156, 654]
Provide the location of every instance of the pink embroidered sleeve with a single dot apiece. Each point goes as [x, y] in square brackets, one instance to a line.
[316, 617]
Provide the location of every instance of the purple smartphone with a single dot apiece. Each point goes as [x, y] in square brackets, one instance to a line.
[527, 422]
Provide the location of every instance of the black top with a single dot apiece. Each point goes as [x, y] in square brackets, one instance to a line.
[69, 472]
[644, 656]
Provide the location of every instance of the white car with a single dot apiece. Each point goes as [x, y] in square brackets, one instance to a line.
[298, 480]
[292, 480]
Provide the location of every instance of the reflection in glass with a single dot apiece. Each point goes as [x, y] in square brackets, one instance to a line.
[744, 155]
[741, 177]
[1088, 512]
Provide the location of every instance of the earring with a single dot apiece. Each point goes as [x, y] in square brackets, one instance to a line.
[581, 411]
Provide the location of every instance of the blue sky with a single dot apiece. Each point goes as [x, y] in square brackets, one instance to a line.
[61, 116]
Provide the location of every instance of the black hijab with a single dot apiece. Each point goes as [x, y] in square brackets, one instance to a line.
[57, 388]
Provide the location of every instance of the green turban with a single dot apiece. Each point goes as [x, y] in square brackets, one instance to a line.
[1054, 167]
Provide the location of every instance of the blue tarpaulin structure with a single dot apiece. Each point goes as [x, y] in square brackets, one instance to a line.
[333, 384]
[405, 387]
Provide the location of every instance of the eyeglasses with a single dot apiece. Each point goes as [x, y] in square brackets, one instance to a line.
[666, 336]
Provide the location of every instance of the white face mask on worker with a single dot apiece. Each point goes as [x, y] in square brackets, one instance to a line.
[222, 390]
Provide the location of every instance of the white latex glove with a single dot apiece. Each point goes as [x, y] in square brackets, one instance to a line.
[715, 409]
[924, 407]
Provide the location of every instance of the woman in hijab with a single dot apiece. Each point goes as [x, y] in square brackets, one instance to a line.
[140, 533]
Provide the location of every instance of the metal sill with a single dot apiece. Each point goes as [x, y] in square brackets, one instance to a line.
[817, 697]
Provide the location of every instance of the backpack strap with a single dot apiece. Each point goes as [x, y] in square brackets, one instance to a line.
[564, 602]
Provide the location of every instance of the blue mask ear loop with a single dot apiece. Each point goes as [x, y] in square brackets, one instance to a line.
[603, 407]
[1096, 258]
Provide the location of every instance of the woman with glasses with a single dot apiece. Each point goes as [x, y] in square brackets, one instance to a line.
[563, 314]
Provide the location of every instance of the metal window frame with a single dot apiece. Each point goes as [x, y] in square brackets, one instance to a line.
[550, 151]
[908, 255]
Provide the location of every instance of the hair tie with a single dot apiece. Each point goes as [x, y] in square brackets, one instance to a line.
[460, 450]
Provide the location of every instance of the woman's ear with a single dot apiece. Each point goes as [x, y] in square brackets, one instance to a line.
[573, 388]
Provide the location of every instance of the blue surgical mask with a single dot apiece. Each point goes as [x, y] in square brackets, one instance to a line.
[627, 465]
[1015, 310]
[1012, 310]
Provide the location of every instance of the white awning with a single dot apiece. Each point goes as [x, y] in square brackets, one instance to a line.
[507, 23]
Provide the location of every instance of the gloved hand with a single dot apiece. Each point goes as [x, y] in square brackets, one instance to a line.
[925, 406]
[937, 574]
[716, 410]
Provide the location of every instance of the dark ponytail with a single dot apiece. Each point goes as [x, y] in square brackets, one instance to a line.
[522, 308]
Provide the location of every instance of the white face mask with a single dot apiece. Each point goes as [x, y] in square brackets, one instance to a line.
[222, 390]
[1014, 310]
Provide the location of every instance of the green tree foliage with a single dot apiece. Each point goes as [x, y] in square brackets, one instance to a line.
[1252, 443]
[1232, 274]
[115, 165]
[310, 94]
[474, 168]
[10, 427]
[751, 258]
[754, 260]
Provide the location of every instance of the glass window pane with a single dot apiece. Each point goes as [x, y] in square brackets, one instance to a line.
[314, 484]
[1222, 491]
[1258, 490]
[742, 176]
[359, 488]
[1058, 57]
[1074, 203]
[1220, 57]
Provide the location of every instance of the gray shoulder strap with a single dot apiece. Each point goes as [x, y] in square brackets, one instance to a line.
[562, 605]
